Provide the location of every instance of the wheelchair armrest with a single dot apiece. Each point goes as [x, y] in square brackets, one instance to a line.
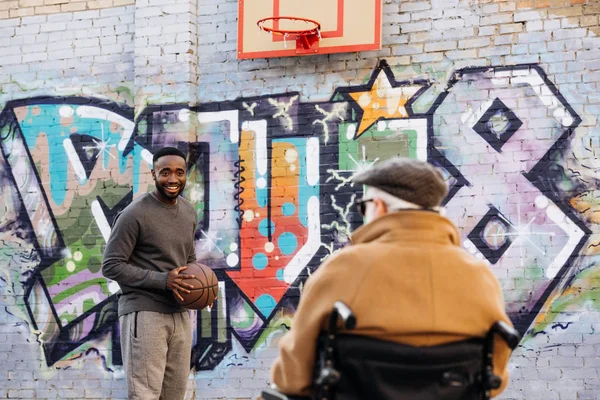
[507, 333]
[272, 394]
[341, 310]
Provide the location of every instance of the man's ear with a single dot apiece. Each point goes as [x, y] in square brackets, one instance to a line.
[153, 174]
[380, 206]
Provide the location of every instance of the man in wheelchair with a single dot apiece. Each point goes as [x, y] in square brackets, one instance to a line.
[419, 314]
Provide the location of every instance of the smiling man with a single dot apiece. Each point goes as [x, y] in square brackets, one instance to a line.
[151, 241]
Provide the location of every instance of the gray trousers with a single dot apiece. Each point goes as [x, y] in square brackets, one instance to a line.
[156, 350]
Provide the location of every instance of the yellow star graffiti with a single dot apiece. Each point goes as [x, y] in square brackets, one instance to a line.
[382, 101]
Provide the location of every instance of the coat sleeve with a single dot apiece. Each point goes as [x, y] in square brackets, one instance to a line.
[292, 371]
[501, 350]
[120, 245]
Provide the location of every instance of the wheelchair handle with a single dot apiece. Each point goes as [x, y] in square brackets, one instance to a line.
[507, 333]
[343, 312]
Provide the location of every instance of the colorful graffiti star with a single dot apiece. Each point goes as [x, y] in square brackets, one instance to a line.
[382, 98]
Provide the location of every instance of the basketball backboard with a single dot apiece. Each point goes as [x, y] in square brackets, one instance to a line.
[346, 26]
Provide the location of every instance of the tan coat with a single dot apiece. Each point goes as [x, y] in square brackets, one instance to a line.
[407, 280]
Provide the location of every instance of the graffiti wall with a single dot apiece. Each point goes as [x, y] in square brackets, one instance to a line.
[269, 178]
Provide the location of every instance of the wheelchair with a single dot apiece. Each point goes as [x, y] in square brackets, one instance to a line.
[353, 367]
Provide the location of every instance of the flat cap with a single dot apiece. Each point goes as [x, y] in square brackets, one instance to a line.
[411, 180]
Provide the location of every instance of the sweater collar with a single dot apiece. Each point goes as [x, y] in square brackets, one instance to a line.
[408, 225]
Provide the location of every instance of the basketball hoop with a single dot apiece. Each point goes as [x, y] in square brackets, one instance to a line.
[307, 40]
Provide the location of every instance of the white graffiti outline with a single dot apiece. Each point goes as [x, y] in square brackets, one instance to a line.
[282, 110]
[335, 175]
[250, 108]
[343, 214]
[337, 111]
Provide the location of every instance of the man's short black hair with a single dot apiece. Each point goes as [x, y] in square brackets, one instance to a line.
[167, 151]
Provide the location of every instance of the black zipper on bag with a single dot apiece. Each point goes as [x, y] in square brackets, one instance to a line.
[135, 325]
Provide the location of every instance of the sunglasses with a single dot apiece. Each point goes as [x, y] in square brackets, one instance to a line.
[362, 205]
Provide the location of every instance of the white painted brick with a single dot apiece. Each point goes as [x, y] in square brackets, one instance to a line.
[148, 31]
[557, 57]
[106, 22]
[34, 57]
[207, 9]
[534, 37]
[165, 20]
[427, 57]
[12, 59]
[556, 46]
[564, 34]
[4, 23]
[461, 54]
[487, 30]
[34, 48]
[534, 26]
[494, 51]
[30, 29]
[449, 24]
[522, 59]
[125, 39]
[178, 28]
[176, 8]
[90, 33]
[180, 37]
[7, 32]
[176, 48]
[459, 33]
[510, 28]
[57, 26]
[128, 18]
[214, 38]
[415, 6]
[406, 50]
[80, 25]
[63, 17]
[146, 12]
[112, 12]
[62, 54]
[419, 37]
[529, 15]
[502, 40]
[398, 18]
[519, 49]
[119, 29]
[588, 55]
[92, 14]
[61, 35]
[415, 27]
[440, 46]
[106, 40]
[11, 51]
[82, 43]
[148, 51]
[470, 43]
[30, 20]
[490, 8]
[497, 19]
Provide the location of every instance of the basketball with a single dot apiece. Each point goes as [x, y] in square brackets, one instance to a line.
[206, 287]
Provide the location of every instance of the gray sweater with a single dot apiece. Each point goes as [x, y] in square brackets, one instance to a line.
[148, 239]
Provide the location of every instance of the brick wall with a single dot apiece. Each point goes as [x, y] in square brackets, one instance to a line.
[26, 8]
[502, 95]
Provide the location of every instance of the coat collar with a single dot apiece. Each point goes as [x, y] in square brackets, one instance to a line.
[408, 225]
